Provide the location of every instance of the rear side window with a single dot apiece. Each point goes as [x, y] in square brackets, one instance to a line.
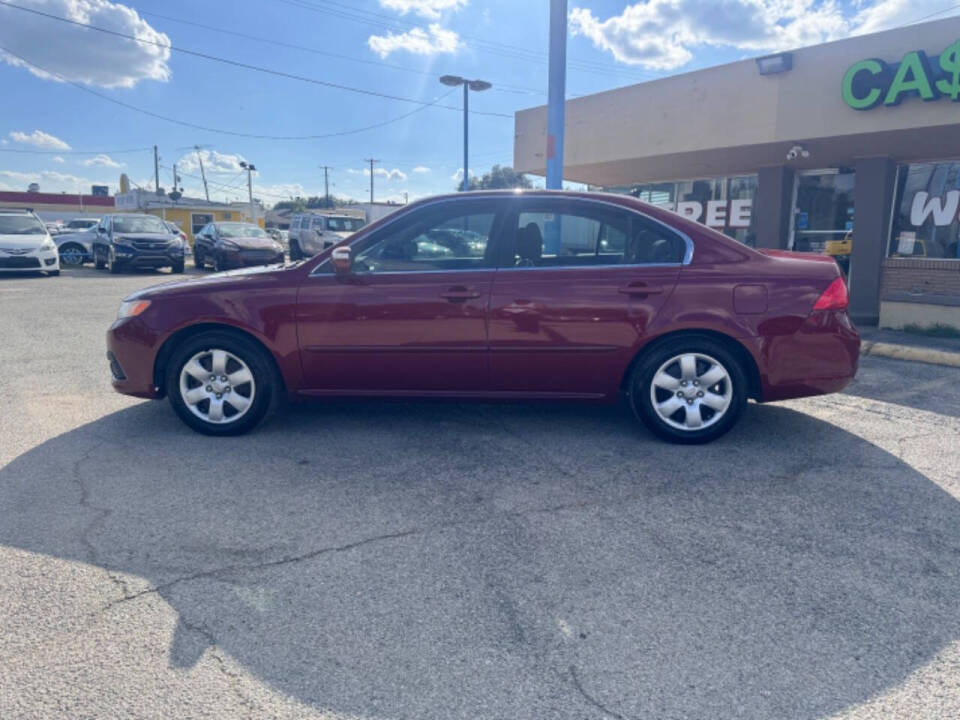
[563, 233]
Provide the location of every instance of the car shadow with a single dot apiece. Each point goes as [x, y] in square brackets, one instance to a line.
[419, 561]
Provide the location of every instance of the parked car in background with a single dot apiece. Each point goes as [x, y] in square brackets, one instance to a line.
[53, 227]
[136, 241]
[175, 230]
[312, 233]
[79, 224]
[25, 243]
[226, 245]
[76, 246]
[493, 295]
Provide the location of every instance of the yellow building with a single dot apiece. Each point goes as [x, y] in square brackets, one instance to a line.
[189, 214]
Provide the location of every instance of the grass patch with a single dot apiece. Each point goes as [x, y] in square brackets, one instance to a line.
[936, 330]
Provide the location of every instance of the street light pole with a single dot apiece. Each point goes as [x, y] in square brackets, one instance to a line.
[250, 168]
[468, 85]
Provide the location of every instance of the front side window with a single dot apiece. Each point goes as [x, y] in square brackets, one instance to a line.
[433, 239]
[925, 222]
[576, 234]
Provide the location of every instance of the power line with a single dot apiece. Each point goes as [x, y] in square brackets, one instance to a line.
[236, 63]
[366, 61]
[221, 131]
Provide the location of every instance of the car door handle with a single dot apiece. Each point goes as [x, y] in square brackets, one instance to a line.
[460, 294]
[639, 288]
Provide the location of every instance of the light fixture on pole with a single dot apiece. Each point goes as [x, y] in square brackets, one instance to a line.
[468, 85]
[250, 168]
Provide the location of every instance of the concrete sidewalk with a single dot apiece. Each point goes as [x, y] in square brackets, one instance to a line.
[909, 346]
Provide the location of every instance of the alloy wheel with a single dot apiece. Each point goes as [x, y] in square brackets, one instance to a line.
[72, 255]
[691, 391]
[217, 386]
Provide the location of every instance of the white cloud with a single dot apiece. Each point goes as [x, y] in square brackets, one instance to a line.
[50, 181]
[662, 34]
[39, 139]
[458, 175]
[418, 41]
[395, 174]
[430, 9]
[82, 55]
[421, 169]
[214, 163]
[101, 160]
[59, 160]
[887, 14]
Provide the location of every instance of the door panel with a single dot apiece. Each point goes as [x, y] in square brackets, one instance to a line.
[583, 282]
[570, 331]
[397, 332]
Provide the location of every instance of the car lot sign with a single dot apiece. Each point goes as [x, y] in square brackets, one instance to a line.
[872, 82]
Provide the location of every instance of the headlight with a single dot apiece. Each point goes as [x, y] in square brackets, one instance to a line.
[229, 245]
[277, 246]
[48, 244]
[132, 308]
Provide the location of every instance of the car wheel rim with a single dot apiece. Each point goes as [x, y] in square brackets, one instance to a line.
[691, 392]
[71, 256]
[217, 386]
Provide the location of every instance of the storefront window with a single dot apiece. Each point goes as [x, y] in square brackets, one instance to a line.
[824, 209]
[926, 208]
[724, 204]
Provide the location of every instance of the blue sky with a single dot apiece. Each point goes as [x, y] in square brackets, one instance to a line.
[396, 48]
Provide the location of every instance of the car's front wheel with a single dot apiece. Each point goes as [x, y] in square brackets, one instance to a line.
[198, 258]
[220, 383]
[72, 254]
[112, 266]
[295, 252]
[689, 390]
[98, 262]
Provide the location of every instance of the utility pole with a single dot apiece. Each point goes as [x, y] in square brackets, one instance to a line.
[556, 93]
[156, 171]
[203, 175]
[250, 168]
[371, 161]
[326, 182]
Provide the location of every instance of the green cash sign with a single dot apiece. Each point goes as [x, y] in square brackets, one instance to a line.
[873, 82]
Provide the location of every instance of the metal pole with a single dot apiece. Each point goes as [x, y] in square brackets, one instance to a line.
[156, 171]
[466, 154]
[371, 161]
[203, 175]
[250, 190]
[556, 93]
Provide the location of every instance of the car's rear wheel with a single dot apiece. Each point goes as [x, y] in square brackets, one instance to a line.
[689, 389]
[220, 383]
[72, 254]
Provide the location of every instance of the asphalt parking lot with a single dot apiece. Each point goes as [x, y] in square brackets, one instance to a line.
[403, 560]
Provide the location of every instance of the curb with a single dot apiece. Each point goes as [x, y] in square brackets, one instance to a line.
[910, 352]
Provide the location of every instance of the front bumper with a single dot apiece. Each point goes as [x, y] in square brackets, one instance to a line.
[132, 348]
[36, 261]
[232, 259]
[128, 256]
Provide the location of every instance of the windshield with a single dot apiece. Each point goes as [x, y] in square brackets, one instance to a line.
[235, 230]
[21, 225]
[139, 224]
[344, 224]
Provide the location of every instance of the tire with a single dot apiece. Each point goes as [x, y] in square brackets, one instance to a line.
[112, 266]
[217, 264]
[200, 414]
[295, 252]
[72, 254]
[177, 267]
[98, 261]
[198, 259]
[669, 376]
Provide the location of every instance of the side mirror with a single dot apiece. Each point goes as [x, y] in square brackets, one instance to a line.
[342, 261]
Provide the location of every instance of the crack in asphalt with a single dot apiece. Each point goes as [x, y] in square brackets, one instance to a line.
[592, 700]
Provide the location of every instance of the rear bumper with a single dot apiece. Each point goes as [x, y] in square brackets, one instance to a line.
[131, 353]
[821, 357]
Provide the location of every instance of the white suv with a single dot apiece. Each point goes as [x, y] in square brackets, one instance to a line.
[25, 243]
[312, 233]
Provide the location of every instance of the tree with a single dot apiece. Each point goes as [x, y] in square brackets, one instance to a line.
[500, 177]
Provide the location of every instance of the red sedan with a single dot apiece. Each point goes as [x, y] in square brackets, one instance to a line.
[489, 296]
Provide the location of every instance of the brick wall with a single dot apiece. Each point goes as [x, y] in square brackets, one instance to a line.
[920, 278]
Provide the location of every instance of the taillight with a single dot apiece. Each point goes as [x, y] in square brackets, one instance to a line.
[835, 297]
